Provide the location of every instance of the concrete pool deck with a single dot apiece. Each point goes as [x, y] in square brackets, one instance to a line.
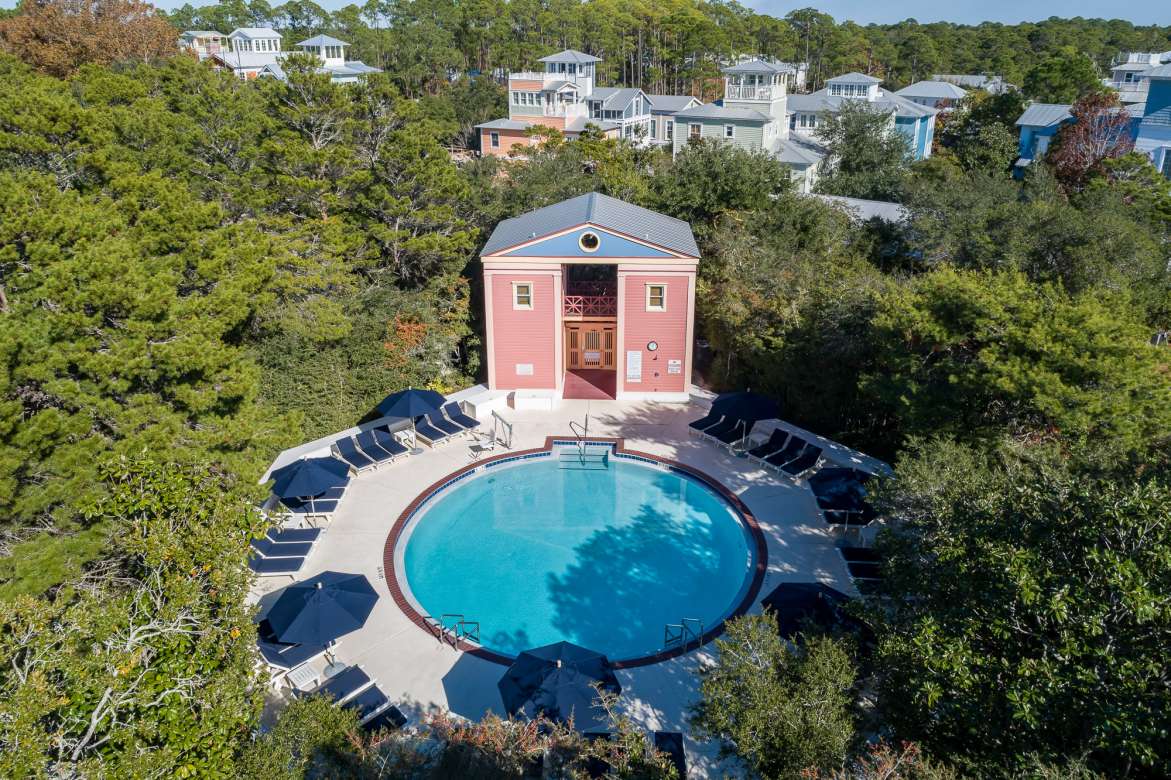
[419, 673]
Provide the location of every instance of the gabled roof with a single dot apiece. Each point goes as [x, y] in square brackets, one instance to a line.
[359, 67]
[861, 209]
[670, 103]
[570, 55]
[823, 102]
[1135, 66]
[712, 111]
[1161, 72]
[800, 151]
[322, 40]
[254, 32]
[504, 124]
[939, 90]
[249, 59]
[601, 211]
[615, 98]
[557, 86]
[201, 34]
[578, 124]
[854, 77]
[1044, 115]
[757, 65]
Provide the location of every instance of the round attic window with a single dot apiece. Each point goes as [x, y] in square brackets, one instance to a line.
[589, 242]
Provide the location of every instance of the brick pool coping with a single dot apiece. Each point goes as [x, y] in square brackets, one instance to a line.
[746, 516]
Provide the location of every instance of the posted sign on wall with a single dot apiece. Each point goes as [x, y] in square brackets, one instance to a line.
[634, 366]
[674, 366]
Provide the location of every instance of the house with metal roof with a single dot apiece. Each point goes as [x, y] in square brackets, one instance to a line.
[753, 114]
[661, 130]
[1153, 136]
[591, 297]
[202, 43]
[1129, 72]
[993, 85]
[565, 96]
[256, 52]
[1040, 123]
[934, 94]
[916, 122]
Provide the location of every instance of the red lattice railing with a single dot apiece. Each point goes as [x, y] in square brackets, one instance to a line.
[591, 305]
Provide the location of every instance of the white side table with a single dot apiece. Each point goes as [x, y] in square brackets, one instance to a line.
[303, 678]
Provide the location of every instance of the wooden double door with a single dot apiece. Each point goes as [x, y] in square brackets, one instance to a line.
[589, 345]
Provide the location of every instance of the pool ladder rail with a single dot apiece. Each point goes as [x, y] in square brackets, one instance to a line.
[583, 458]
[459, 629]
[683, 633]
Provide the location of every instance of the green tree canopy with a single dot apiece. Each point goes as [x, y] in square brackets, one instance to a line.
[777, 708]
[974, 354]
[1025, 611]
[865, 156]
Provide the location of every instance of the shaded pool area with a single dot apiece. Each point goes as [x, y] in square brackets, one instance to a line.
[543, 549]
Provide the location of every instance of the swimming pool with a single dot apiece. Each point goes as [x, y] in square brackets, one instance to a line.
[538, 550]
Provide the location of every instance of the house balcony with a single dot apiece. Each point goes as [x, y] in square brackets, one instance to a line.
[590, 300]
[753, 92]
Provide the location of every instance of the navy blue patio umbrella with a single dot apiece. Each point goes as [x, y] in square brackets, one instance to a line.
[795, 602]
[309, 477]
[322, 608]
[558, 681]
[746, 405]
[410, 403]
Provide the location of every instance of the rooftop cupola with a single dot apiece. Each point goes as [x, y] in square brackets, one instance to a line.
[328, 49]
[854, 85]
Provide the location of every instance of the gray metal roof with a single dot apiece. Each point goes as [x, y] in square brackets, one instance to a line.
[1044, 115]
[757, 65]
[797, 150]
[202, 34]
[1131, 66]
[322, 40]
[254, 32]
[602, 211]
[670, 103]
[1161, 72]
[570, 55]
[578, 123]
[615, 98]
[504, 124]
[554, 86]
[823, 102]
[862, 210]
[939, 90]
[854, 77]
[712, 111]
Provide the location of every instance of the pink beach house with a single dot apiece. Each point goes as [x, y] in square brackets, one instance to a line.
[591, 298]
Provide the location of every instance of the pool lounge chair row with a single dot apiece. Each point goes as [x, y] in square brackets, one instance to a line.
[725, 429]
[369, 449]
[443, 425]
[787, 452]
[283, 551]
[354, 690]
[377, 446]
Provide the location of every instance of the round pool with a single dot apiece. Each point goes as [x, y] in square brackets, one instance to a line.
[614, 554]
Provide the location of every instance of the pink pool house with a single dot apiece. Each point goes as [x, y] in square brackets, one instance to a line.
[591, 298]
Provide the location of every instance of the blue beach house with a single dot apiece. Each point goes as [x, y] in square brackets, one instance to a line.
[1038, 125]
[915, 121]
[1154, 128]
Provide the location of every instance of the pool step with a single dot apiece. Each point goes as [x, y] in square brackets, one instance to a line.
[584, 461]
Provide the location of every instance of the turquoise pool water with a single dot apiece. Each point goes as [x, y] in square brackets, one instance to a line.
[605, 558]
